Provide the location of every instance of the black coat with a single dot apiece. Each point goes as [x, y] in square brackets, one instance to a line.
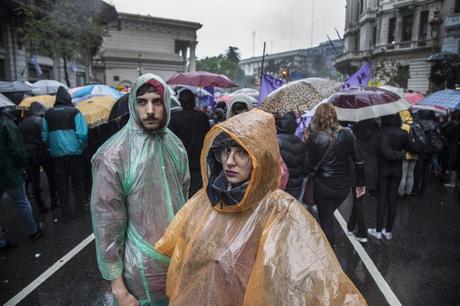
[393, 142]
[31, 132]
[293, 152]
[366, 133]
[335, 170]
[191, 127]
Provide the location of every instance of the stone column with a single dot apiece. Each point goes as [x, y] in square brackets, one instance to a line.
[184, 57]
[192, 67]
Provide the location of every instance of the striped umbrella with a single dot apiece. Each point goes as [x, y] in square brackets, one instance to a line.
[448, 98]
[357, 104]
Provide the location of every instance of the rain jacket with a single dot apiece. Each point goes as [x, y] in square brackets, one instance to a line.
[406, 119]
[238, 98]
[64, 128]
[30, 129]
[265, 250]
[13, 158]
[140, 180]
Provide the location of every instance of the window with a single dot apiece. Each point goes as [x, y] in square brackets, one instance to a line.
[116, 78]
[407, 23]
[80, 78]
[423, 26]
[457, 6]
[47, 73]
[374, 36]
[361, 6]
[2, 42]
[391, 30]
[2, 70]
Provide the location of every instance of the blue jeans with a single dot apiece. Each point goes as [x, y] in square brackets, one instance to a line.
[19, 196]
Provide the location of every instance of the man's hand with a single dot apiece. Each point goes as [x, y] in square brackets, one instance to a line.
[121, 294]
[360, 191]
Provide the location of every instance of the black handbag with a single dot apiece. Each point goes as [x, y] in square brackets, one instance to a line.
[308, 196]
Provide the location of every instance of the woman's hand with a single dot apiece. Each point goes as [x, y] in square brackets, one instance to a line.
[360, 191]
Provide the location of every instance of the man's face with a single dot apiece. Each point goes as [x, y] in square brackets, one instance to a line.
[150, 110]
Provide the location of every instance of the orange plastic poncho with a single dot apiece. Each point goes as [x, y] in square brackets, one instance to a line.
[265, 250]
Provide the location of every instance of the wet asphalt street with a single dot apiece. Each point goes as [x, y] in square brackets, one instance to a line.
[421, 264]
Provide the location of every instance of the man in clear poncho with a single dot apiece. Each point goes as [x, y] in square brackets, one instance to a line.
[249, 243]
[140, 180]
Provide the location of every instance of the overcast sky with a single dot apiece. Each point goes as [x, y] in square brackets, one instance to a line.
[283, 24]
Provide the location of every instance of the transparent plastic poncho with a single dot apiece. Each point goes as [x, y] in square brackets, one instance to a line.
[140, 180]
[265, 250]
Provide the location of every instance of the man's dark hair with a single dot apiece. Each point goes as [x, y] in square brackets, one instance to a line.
[145, 88]
[187, 99]
[239, 107]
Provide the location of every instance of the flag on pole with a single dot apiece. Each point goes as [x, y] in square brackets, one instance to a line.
[34, 61]
[360, 78]
[267, 85]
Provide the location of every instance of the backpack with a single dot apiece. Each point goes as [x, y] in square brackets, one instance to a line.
[434, 141]
[417, 140]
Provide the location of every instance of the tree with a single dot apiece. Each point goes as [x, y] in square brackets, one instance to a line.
[233, 54]
[70, 30]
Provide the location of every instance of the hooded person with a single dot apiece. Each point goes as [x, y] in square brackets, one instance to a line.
[244, 241]
[65, 131]
[140, 180]
[239, 104]
[38, 155]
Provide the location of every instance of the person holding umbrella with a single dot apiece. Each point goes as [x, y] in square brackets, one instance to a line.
[330, 151]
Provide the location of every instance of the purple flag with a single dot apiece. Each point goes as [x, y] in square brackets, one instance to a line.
[267, 85]
[360, 78]
[34, 61]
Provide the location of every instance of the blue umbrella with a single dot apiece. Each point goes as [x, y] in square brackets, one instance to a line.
[96, 90]
[448, 98]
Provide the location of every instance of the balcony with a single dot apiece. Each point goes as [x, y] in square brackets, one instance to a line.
[404, 46]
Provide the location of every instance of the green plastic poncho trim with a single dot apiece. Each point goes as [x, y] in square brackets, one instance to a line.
[140, 178]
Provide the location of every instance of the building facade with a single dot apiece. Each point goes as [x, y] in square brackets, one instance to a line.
[139, 44]
[400, 32]
[317, 61]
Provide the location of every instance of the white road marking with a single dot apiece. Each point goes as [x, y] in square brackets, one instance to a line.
[389, 295]
[51, 270]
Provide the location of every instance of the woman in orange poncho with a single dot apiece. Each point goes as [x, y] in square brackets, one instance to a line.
[248, 242]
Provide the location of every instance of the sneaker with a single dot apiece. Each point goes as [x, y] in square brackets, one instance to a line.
[8, 246]
[361, 239]
[374, 234]
[40, 231]
[387, 235]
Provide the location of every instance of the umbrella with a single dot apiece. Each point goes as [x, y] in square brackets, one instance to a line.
[448, 98]
[397, 90]
[436, 109]
[246, 91]
[357, 104]
[49, 86]
[413, 97]
[16, 86]
[444, 56]
[94, 90]
[201, 79]
[96, 110]
[46, 100]
[324, 87]
[4, 101]
[293, 96]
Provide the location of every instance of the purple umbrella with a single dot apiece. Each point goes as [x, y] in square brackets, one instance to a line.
[357, 104]
[201, 79]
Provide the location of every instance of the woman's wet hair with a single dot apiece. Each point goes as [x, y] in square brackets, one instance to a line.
[325, 119]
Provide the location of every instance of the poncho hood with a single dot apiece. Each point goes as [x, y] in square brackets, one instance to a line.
[239, 98]
[255, 132]
[161, 87]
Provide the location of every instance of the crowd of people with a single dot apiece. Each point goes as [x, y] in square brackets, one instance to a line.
[189, 207]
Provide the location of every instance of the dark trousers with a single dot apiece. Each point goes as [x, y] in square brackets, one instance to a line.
[66, 167]
[327, 200]
[33, 171]
[421, 175]
[387, 192]
[196, 182]
[357, 215]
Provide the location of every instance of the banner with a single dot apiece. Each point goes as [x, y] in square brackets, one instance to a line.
[267, 85]
[360, 78]
[34, 62]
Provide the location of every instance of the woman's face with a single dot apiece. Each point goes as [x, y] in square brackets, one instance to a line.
[236, 163]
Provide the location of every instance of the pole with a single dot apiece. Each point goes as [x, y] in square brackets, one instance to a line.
[263, 60]
[253, 43]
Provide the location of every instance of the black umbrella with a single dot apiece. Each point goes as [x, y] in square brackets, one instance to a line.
[444, 56]
[120, 108]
